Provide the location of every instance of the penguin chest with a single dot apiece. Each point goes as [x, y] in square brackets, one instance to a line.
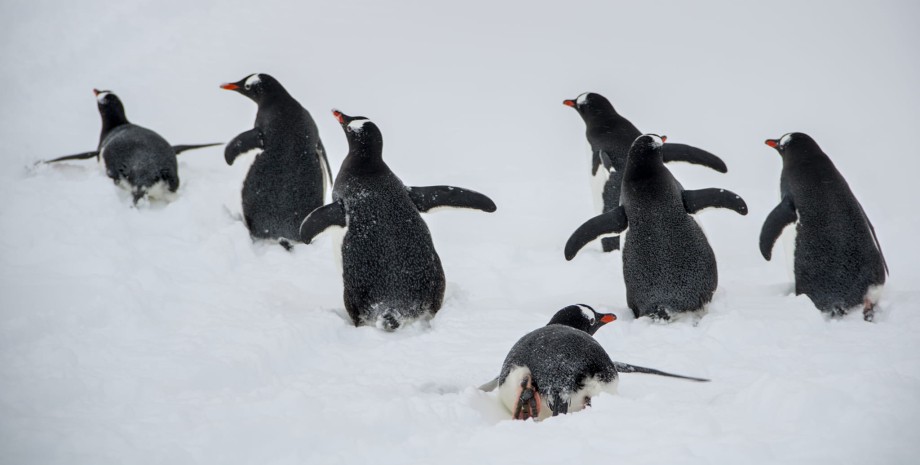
[598, 185]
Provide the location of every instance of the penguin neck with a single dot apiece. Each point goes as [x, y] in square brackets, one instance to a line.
[112, 119]
[278, 97]
[363, 159]
[643, 165]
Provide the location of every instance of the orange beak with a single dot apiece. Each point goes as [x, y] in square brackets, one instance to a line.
[569, 103]
[229, 86]
[96, 92]
[338, 116]
[772, 143]
[608, 318]
[664, 138]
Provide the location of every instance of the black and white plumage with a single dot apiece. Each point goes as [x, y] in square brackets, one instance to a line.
[668, 264]
[391, 272]
[610, 136]
[136, 158]
[560, 367]
[838, 262]
[289, 177]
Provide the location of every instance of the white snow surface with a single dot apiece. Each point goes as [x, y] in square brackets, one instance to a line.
[162, 334]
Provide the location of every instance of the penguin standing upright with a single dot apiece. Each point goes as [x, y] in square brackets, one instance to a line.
[610, 136]
[560, 367]
[136, 158]
[288, 179]
[390, 269]
[838, 262]
[668, 265]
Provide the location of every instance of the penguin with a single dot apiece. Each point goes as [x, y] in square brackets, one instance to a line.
[668, 265]
[560, 367]
[136, 158]
[290, 175]
[391, 272]
[838, 261]
[610, 136]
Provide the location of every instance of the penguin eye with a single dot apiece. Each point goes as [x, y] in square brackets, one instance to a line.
[247, 86]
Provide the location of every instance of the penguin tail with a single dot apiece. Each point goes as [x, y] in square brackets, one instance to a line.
[388, 320]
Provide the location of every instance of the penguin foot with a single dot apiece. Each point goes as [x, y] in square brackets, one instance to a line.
[528, 404]
[660, 314]
[286, 244]
[869, 311]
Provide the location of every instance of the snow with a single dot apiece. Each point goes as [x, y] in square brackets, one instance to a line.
[162, 334]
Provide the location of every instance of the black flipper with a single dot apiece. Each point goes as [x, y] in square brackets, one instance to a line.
[875, 238]
[429, 197]
[605, 160]
[490, 386]
[246, 141]
[181, 148]
[627, 368]
[781, 216]
[327, 174]
[322, 219]
[681, 152]
[697, 200]
[612, 222]
[79, 156]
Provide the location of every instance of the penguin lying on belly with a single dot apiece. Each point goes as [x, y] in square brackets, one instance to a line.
[668, 264]
[136, 158]
[391, 272]
[838, 262]
[560, 367]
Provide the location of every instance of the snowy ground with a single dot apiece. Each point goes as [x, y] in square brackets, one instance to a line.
[161, 334]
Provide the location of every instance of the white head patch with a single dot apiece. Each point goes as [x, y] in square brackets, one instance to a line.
[581, 99]
[656, 141]
[253, 80]
[358, 124]
[785, 140]
[588, 314]
[101, 96]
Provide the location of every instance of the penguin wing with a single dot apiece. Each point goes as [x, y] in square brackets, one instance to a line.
[697, 200]
[612, 222]
[321, 219]
[627, 368]
[181, 148]
[875, 238]
[783, 215]
[605, 160]
[430, 197]
[79, 156]
[490, 386]
[246, 141]
[681, 152]
[324, 164]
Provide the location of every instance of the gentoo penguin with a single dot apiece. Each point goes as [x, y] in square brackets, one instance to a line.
[288, 179]
[610, 136]
[560, 367]
[838, 262]
[668, 264]
[136, 158]
[391, 271]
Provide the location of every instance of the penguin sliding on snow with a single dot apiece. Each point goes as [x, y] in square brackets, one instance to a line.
[610, 136]
[136, 158]
[560, 367]
[668, 265]
[288, 179]
[838, 262]
[391, 271]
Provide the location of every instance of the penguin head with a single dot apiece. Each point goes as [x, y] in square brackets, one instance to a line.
[110, 108]
[258, 87]
[590, 105]
[361, 132]
[647, 146]
[582, 317]
[794, 142]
